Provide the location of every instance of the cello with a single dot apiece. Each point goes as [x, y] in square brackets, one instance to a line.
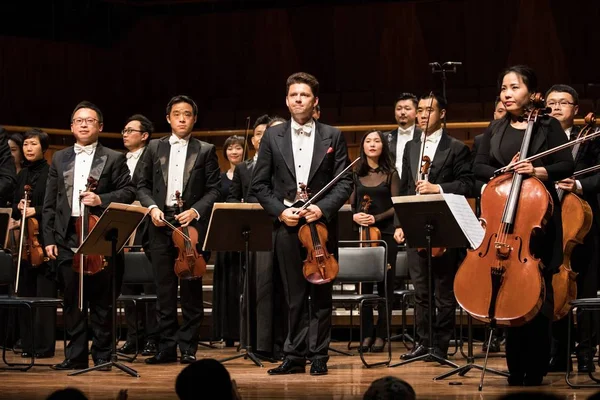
[500, 282]
[85, 264]
[576, 222]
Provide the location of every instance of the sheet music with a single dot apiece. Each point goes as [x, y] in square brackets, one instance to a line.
[465, 217]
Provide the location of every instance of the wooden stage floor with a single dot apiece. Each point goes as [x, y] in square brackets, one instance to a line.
[347, 379]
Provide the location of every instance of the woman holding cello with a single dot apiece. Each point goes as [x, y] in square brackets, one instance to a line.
[376, 180]
[35, 279]
[528, 345]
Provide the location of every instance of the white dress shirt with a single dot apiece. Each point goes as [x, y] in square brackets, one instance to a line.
[303, 143]
[404, 136]
[176, 168]
[81, 172]
[132, 159]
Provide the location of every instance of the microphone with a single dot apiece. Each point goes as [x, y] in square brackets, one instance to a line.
[434, 64]
[453, 63]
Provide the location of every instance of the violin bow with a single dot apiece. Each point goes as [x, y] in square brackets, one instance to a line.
[424, 136]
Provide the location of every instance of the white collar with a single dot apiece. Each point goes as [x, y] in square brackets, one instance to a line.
[176, 139]
[135, 154]
[434, 137]
[568, 132]
[307, 128]
[407, 130]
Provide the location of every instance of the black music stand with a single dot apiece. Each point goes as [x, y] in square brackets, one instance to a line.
[244, 227]
[107, 238]
[427, 221]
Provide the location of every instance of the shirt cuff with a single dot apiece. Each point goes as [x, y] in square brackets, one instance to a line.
[578, 188]
[152, 206]
[197, 213]
[441, 190]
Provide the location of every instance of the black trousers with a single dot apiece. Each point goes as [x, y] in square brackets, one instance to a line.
[163, 260]
[443, 270]
[367, 288]
[35, 282]
[585, 259]
[97, 295]
[309, 328]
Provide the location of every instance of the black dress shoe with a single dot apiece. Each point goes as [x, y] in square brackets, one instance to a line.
[585, 363]
[188, 357]
[516, 379]
[100, 361]
[150, 349]
[318, 367]
[288, 367]
[69, 364]
[162, 357]
[533, 380]
[378, 345]
[365, 346]
[127, 348]
[417, 351]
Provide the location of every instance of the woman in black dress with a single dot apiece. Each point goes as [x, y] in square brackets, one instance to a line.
[35, 281]
[227, 278]
[376, 177]
[528, 346]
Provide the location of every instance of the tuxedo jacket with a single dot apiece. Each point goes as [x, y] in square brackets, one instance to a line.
[241, 183]
[8, 172]
[589, 156]
[392, 137]
[275, 176]
[109, 168]
[478, 183]
[201, 177]
[450, 168]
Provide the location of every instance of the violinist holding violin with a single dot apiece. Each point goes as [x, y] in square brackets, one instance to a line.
[178, 172]
[35, 280]
[66, 194]
[376, 178]
[449, 172]
[528, 345]
[302, 151]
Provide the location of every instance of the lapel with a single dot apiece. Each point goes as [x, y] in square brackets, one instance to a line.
[138, 164]
[539, 137]
[440, 157]
[496, 139]
[322, 144]
[164, 152]
[98, 162]
[417, 132]
[68, 167]
[190, 159]
[392, 138]
[284, 142]
[415, 161]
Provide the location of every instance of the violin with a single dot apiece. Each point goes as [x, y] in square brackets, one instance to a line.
[501, 282]
[86, 264]
[424, 176]
[368, 232]
[576, 222]
[189, 263]
[320, 266]
[29, 248]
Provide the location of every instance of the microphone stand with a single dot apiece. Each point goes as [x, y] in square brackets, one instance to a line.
[448, 66]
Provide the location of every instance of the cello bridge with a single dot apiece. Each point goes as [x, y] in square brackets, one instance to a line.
[502, 250]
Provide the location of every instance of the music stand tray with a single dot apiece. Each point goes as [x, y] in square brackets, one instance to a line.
[443, 220]
[107, 238]
[243, 227]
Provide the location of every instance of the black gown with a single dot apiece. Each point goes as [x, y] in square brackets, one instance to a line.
[227, 285]
[36, 281]
[380, 187]
[528, 346]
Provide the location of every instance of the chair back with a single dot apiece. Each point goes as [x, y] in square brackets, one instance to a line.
[402, 264]
[7, 269]
[138, 268]
[362, 264]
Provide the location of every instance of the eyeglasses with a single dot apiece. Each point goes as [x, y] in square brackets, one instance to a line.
[129, 131]
[561, 104]
[88, 121]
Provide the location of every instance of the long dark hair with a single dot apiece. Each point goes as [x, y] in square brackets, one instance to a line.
[385, 159]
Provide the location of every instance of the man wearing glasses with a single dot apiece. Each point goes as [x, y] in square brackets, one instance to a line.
[65, 190]
[564, 100]
[136, 135]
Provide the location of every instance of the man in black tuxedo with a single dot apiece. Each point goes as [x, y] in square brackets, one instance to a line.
[450, 172]
[136, 135]
[8, 173]
[585, 257]
[67, 179]
[405, 112]
[302, 150]
[178, 162]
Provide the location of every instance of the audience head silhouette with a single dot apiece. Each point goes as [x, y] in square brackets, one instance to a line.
[206, 372]
[390, 388]
[67, 394]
